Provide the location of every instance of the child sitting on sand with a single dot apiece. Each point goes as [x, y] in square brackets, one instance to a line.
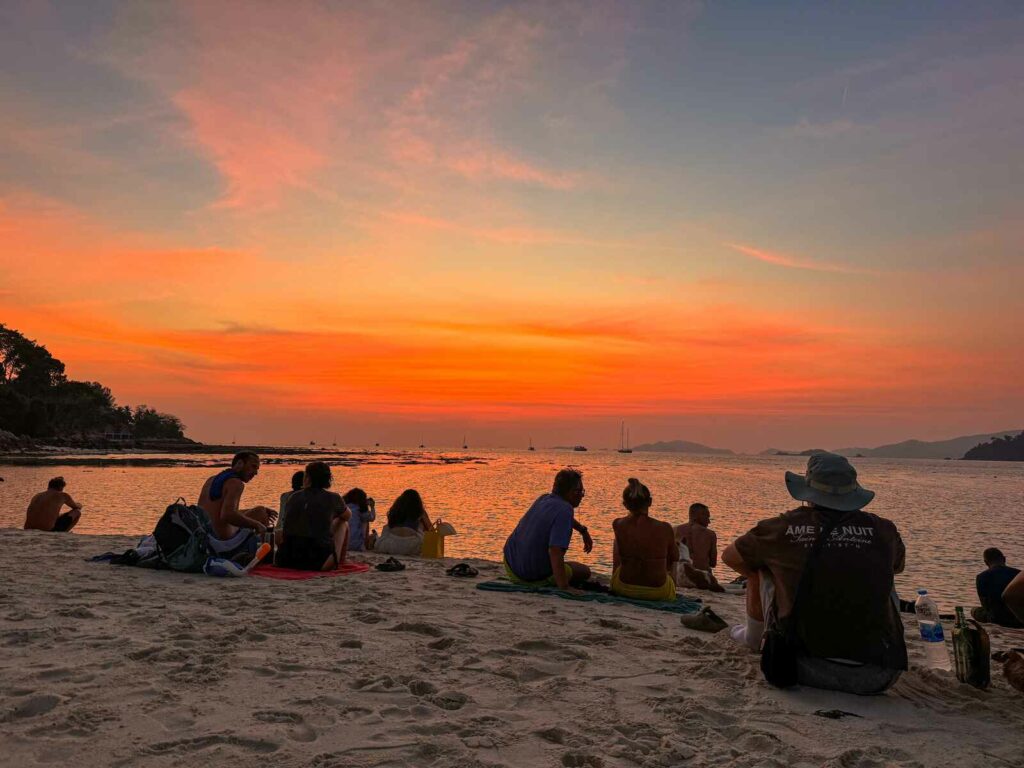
[698, 550]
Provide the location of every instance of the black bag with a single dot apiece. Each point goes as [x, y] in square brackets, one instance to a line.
[182, 537]
[780, 646]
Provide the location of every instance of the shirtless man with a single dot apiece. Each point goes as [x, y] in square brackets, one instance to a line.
[702, 544]
[645, 551]
[236, 530]
[44, 510]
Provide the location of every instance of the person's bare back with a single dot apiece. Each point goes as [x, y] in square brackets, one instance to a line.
[702, 544]
[645, 550]
[44, 511]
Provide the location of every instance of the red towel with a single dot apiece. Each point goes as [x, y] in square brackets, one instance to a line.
[290, 574]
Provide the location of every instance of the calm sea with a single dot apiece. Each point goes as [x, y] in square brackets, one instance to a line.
[947, 511]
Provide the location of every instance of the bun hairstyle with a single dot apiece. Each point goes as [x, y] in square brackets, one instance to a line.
[636, 497]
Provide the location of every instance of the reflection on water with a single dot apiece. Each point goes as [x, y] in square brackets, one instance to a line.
[947, 512]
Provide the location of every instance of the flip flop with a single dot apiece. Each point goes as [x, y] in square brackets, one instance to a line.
[391, 564]
[463, 570]
[704, 621]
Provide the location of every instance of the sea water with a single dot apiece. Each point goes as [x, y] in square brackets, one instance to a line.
[948, 512]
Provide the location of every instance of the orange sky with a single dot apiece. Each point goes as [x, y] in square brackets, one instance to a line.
[297, 222]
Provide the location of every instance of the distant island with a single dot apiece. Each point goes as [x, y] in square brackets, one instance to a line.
[681, 446]
[780, 452]
[40, 404]
[953, 448]
[1006, 448]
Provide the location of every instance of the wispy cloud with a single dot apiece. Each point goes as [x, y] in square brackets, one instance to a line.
[793, 262]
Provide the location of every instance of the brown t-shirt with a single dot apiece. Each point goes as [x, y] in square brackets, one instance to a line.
[848, 611]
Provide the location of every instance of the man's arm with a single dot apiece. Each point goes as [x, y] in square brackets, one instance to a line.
[71, 502]
[588, 543]
[229, 512]
[713, 554]
[732, 558]
[1013, 596]
[557, 555]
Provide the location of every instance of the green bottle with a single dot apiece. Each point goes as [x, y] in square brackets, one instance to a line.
[971, 651]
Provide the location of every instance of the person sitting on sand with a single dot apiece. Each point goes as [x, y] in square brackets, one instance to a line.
[991, 583]
[236, 531]
[364, 512]
[44, 511]
[298, 480]
[645, 550]
[847, 625]
[407, 520]
[534, 552]
[314, 536]
[698, 550]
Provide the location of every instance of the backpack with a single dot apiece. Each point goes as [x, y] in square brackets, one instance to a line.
[182, 537]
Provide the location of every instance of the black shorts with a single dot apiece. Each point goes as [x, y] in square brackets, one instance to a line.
[64, 523]
[304, 554]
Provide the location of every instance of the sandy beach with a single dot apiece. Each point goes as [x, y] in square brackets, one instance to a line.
[120, 666]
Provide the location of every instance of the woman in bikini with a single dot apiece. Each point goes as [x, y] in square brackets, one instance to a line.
[645, 550]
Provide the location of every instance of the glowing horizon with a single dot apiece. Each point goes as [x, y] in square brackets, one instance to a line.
[408, 222]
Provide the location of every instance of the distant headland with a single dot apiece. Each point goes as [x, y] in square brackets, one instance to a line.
[681, 446]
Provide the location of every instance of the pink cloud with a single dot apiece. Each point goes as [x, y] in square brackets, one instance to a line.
[263, 86]
[792, 262]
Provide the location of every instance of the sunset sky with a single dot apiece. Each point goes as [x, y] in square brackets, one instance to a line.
[744, 224]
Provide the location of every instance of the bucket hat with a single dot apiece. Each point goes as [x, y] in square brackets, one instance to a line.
[830, 481]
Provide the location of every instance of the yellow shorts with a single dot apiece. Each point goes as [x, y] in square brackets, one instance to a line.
[666, 592]
[548, 582]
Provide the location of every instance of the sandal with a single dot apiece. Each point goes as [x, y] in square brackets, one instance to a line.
[391, 564]
[464, 570]
[704, 621]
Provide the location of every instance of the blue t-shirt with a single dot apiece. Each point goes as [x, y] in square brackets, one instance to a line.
[357, 527]
[548, 523]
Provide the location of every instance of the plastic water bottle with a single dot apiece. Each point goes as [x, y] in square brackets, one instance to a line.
[930, 624]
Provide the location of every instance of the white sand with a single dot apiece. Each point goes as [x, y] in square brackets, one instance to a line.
[120, 666]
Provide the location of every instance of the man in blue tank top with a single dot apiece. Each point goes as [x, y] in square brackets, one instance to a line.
[237, 530]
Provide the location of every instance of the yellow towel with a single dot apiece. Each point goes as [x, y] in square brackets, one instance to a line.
[666, 592]
[548, 582]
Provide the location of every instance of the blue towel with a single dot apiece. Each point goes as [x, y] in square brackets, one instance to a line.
[681, 604]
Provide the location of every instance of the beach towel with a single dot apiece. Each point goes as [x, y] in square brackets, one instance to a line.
[291, 574]
[679, 605]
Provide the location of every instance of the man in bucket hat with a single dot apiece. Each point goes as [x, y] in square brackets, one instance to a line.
[848, 627]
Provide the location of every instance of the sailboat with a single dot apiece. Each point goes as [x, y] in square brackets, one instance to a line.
[464, 445]
[624, 444]
[531, 448]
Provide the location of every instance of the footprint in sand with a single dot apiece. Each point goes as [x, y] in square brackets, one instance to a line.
[368, 616]
[32, 707]
[198, 744]
[417, 628]
[422, 688]
[576, 759]
[450, 700]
